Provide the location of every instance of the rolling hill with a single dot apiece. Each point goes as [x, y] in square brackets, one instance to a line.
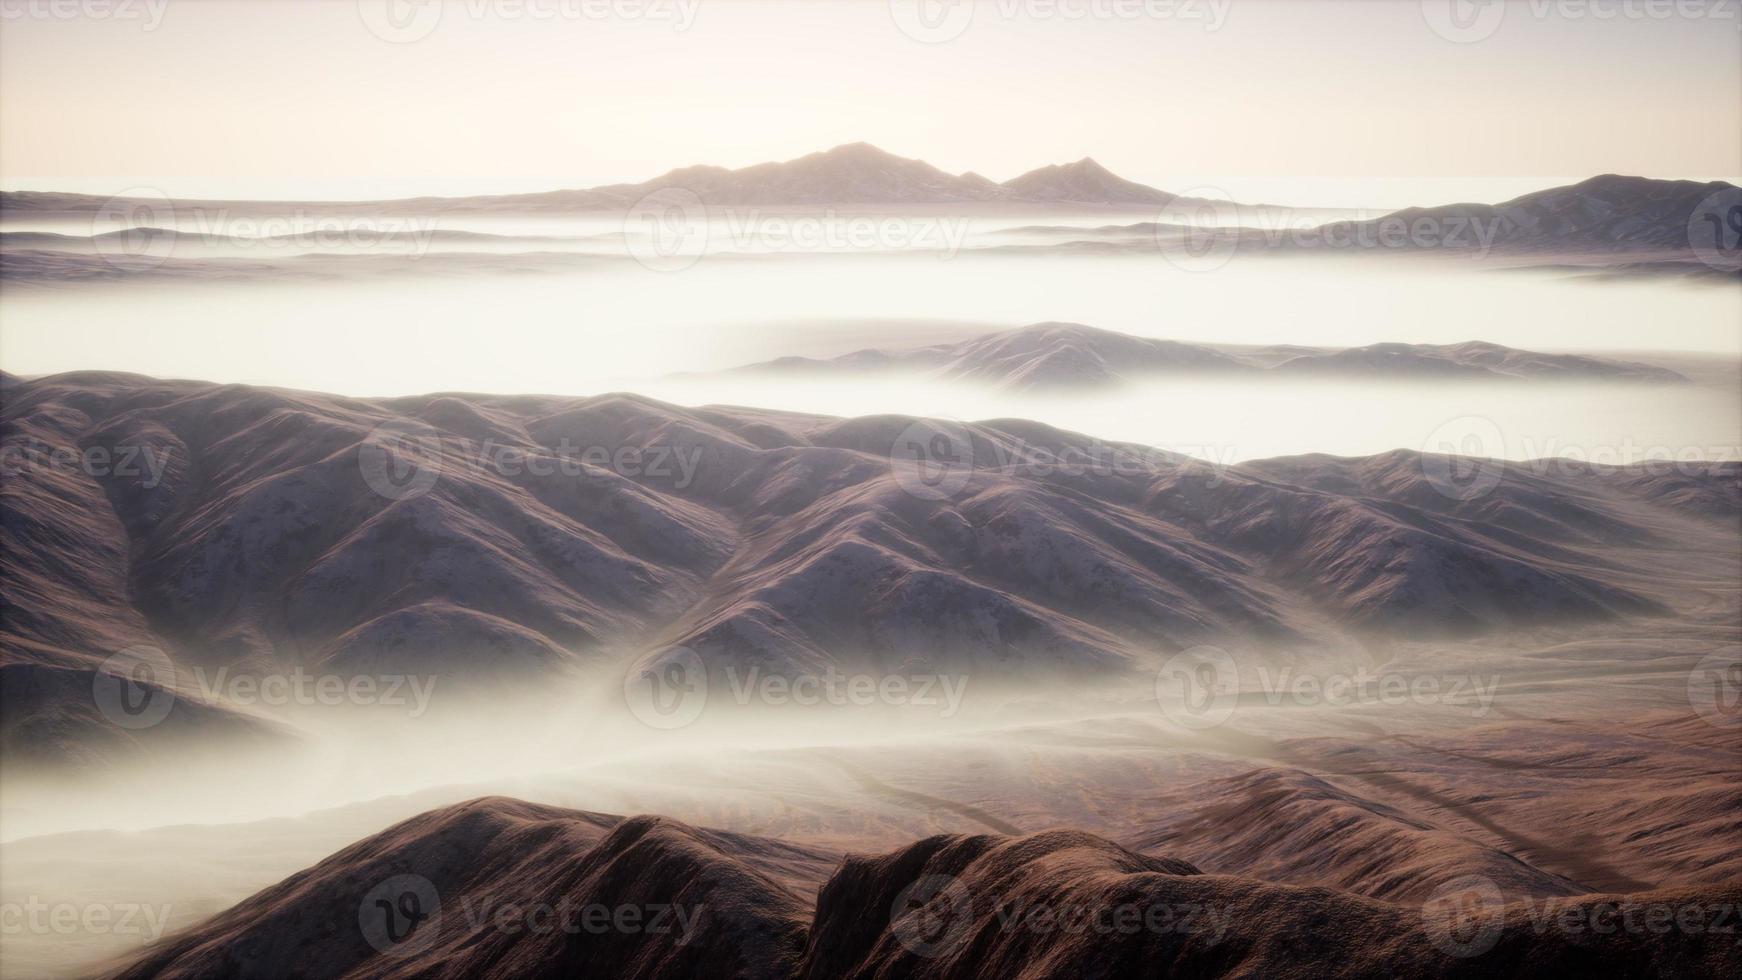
[1073, 356]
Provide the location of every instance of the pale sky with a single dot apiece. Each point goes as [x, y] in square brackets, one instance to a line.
[1300, 103]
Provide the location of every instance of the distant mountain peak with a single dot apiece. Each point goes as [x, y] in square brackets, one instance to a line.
[860, 148]
[1084, 182]
[1065, 328]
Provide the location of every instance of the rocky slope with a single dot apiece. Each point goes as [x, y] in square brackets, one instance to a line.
[500, 542]
[499, 888]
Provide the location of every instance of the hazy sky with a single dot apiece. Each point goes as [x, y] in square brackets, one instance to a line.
[266, 98]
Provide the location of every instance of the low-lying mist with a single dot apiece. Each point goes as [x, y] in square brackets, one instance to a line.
[614, 324]
[1230, 420]
[622, 326]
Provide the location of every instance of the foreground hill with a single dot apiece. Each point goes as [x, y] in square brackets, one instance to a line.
[499, 542]
[500, 888]
[1073, 356]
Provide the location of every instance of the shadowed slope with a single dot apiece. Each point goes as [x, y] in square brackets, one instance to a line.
[463, 882]
[511, 889]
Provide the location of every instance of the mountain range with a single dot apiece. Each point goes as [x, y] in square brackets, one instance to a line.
[505, 541]
[1608, 212]
[1073, 356]
[1620, 224]
[1615, 217]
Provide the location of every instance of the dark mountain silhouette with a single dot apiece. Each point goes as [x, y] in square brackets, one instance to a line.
[707, 903]
[462, 891]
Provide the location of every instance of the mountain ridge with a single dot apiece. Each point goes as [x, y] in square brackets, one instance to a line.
[404, 903]
[852, 173]
[1072, 356]
[258, 540]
